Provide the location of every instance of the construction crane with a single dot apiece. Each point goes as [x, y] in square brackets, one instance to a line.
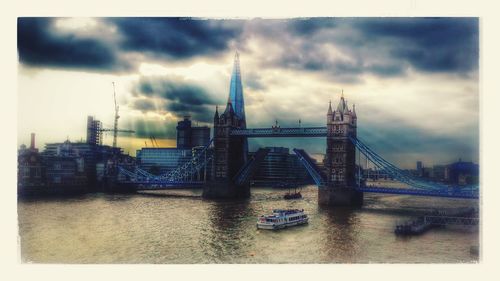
[154, 138]
[154, 143]
[115, 129]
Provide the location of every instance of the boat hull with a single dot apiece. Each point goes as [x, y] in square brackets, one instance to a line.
[275, 226]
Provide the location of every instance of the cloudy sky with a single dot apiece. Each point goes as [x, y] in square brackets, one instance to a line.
[415, 81]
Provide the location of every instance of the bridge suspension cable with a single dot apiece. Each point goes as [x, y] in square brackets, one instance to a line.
[179, 175]
[391, 169]
[404, 176]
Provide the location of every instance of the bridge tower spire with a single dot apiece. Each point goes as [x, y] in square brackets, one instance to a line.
[340, 158]
[216, 115]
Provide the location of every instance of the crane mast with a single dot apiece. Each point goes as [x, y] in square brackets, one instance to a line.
[115, 129]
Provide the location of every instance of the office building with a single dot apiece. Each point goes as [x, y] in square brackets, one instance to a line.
[189, 136]
[438, 172]
[279, 167]
[162, 160]
[94, 131]
[94, 160]
[419, 168]
[30, 168]
[462, 173]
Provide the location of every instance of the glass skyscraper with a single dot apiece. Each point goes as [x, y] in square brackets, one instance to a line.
[236, 89]
[236, 97]
[280, 167]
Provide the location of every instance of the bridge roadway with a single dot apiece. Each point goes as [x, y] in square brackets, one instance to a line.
[420, 192]
[280, 132]
[151, 185]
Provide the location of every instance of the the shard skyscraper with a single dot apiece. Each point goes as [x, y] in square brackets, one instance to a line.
[236, 89]
[236, 97]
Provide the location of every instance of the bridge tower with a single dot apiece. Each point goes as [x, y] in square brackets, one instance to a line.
[229, 156]
[340, 158]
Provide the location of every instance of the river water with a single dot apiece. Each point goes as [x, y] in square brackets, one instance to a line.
[175, 227]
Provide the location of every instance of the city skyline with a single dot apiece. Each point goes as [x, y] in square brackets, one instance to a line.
[414, 81]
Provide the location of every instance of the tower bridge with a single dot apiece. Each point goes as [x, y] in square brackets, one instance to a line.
[340, 182]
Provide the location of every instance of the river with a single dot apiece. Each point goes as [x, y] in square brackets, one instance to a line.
[179, 227]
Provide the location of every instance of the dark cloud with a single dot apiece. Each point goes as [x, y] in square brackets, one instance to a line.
[40, 45]
[144, 105]
[177, 38]
[175, 89]
[386, 70]
[254, 81]
[309, 26]
[159, 129]
[318, 61]
[180, 97]
[429, 44]
[395, 142]
[198, 113]
[384, 47]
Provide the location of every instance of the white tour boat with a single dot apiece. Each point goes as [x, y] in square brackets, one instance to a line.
[282, 218]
